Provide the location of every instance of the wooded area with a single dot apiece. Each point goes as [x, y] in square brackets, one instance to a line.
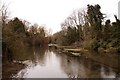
[82, 32]
[85, 28]
[89, 29]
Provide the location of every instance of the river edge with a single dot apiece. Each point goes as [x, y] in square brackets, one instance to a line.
[10, 69]
[106, 57]
[15, 67]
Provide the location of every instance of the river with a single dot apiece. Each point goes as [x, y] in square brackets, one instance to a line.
[49, 63]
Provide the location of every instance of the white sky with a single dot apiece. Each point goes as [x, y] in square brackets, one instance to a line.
[53, 12]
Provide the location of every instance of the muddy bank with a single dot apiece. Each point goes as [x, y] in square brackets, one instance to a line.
[10, 69]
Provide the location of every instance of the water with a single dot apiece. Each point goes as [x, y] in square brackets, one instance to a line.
[47, 63]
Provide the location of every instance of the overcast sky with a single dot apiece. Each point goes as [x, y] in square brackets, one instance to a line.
[52, 12]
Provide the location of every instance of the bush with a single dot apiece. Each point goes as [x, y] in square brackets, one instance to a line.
[87, 44]
[118, 50]
[95, 44]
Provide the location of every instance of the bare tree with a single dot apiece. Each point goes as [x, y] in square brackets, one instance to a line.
[27, 25]
[78, 17]
[3, 13]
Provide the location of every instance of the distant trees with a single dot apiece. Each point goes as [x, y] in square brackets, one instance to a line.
[36, 35]
[58, 38]
[72, 28]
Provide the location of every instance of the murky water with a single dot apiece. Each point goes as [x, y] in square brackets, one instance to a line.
[47, 63]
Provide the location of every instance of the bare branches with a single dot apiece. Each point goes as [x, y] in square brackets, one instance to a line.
[3, 12]
[78, 17]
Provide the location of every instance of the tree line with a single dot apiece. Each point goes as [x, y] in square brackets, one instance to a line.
[18, 35]
[88, 28]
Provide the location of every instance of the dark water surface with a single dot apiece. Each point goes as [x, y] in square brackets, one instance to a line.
[48, 63]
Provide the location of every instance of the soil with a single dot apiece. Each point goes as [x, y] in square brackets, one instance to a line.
[10, 69]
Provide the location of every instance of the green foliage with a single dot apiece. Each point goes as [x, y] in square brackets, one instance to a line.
[95, 18]
[70, 36]
[95, 45]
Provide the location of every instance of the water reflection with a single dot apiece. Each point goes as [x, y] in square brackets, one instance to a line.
[48, 63]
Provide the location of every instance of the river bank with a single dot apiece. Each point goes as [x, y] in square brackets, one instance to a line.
[10, 69]
[56, 63]
[108, 57]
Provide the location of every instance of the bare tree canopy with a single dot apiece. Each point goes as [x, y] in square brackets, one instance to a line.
[4, 13]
